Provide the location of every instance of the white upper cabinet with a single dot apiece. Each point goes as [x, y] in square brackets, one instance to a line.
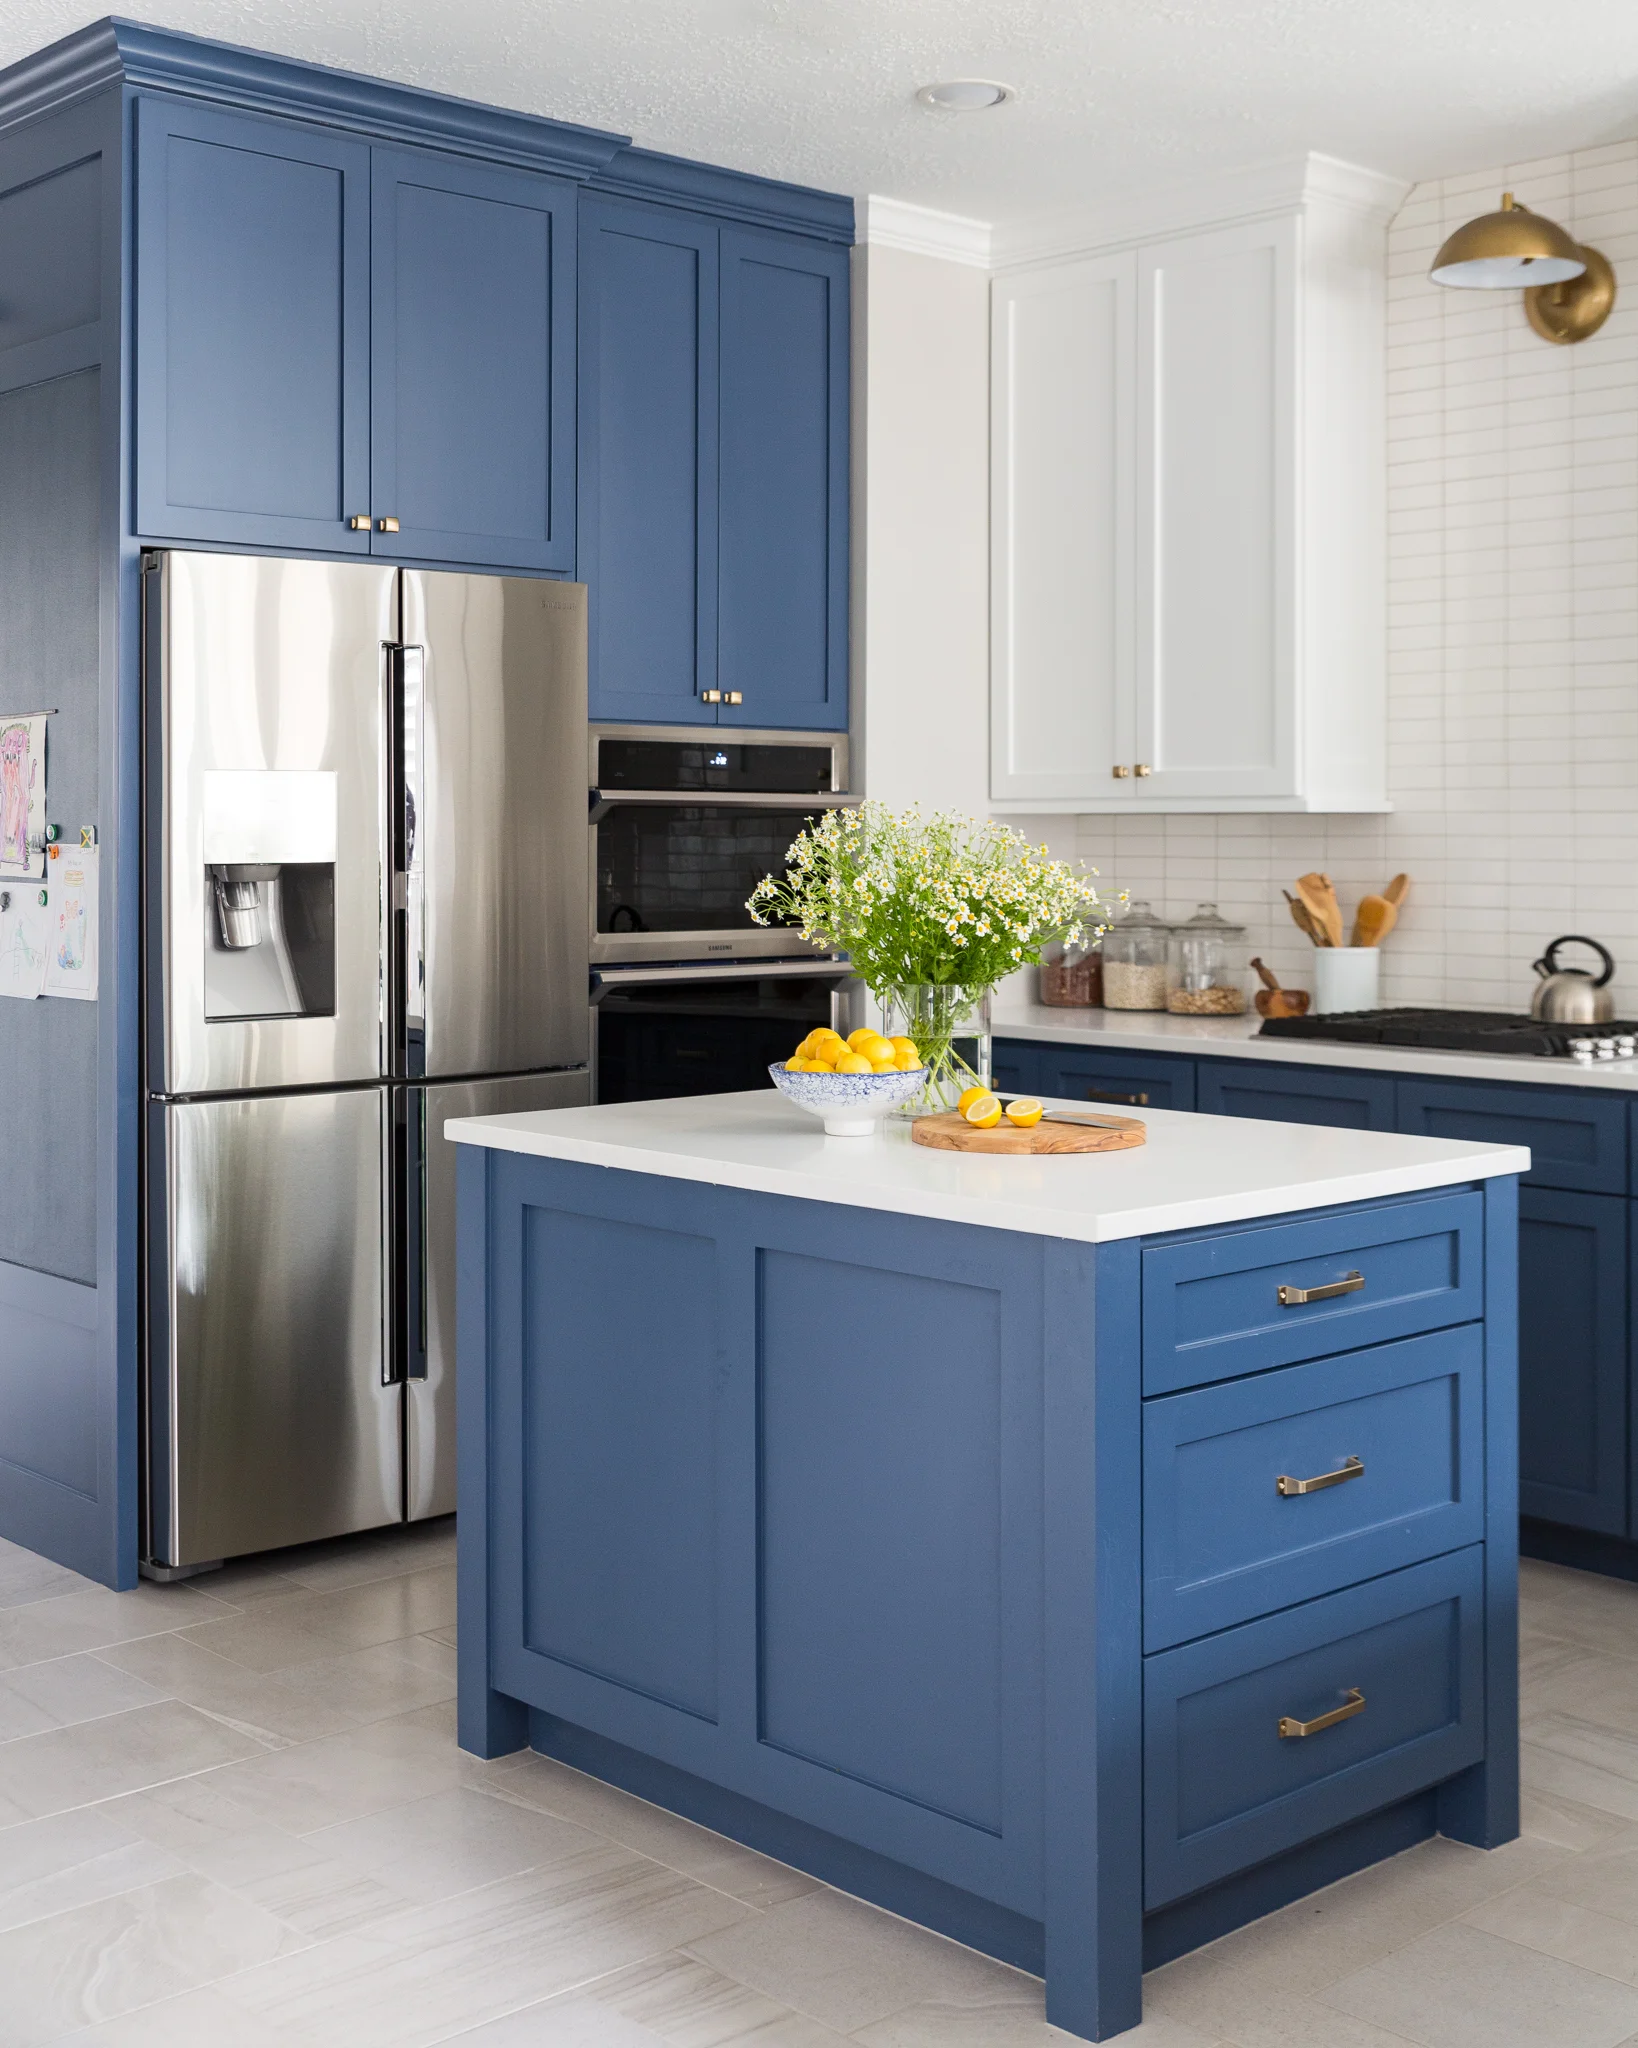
[1188, 581]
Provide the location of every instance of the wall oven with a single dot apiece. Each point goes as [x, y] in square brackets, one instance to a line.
[689, 997]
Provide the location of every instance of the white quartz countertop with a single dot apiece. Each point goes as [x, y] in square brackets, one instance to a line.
[1193, 1172]
[1236, 1038]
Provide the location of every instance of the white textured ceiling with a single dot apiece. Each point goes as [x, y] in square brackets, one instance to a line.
[1115, 95]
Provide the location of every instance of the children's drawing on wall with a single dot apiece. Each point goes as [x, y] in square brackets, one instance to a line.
[71, 953]
[24, 938]
[22, 794]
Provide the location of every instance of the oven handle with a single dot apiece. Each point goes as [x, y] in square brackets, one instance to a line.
[603, 801]
[606, 980]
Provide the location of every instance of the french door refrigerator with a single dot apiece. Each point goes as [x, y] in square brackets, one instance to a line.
[366, 879]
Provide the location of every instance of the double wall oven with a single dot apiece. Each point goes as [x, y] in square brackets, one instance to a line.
[689, 997]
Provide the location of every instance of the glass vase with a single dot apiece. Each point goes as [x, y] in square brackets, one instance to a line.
[951, 1028]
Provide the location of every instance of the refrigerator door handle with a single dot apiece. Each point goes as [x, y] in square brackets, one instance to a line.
[407, 951]
[396, 1266]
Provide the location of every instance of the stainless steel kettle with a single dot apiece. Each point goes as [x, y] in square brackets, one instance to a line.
[1570, 995]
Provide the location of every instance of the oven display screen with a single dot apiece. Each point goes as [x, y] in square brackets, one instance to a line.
[713, 764]
[686, 867]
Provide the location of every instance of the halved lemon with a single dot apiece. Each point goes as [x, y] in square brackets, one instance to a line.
[983, 1113]
[1025, 1111]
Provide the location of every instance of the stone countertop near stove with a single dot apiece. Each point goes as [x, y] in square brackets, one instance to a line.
[1195, 1171]
[1237, 1038]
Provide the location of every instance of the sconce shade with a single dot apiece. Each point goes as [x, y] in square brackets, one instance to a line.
[1507, 250]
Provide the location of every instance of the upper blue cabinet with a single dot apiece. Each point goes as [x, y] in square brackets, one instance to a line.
[713, 469]
[350, 348]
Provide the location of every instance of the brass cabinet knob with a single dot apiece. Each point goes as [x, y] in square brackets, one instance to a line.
[387, 525]
[710, 696]
[1120, 774]
[1142, 768]
[733, 697]
[361, 522]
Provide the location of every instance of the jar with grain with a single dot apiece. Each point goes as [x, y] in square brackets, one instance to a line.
[1134, 960]
[1072, 970]
[1206, 971]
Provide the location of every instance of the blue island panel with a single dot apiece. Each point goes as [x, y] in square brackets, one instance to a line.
[881, 1625]
[618, 1415]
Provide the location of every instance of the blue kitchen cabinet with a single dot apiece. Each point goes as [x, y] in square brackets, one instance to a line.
[1296, 1095]
[783, 524]
[1127, 1079]
[472, 362]
[648, 459]
[1577, 1140]
[1015, 1066]
[252, 330]
[330, 336]
[1573, 1359]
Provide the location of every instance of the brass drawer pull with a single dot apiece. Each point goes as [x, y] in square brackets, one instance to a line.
[1138, 1101]
[1352, 1705]
[1350, 1468]
[1293, 1297]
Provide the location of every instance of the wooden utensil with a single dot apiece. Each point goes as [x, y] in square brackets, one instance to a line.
[1373, 921]
[1304, 920]
[1320, 897]
[1397, 890]
[1274, 1001]
[952, 1133]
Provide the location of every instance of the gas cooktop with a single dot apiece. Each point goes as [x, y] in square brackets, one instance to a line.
[1463, 1031]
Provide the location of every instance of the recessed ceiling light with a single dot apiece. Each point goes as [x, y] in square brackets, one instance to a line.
[966, 95]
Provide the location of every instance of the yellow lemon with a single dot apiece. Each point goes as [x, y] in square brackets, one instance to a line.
[1025, 1111]
[864, 1036]
[984, 1113]
[971, 1095]
[796, 1064]
[907, 1045]
[884, 1066]
[852, 1063]
[816, 1063]
[908, 1061]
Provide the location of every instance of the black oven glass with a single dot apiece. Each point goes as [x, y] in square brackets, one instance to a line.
[690, 1038]
[705, 764]
[686, 867]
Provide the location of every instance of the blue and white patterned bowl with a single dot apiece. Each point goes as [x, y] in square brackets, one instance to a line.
[852, 1105]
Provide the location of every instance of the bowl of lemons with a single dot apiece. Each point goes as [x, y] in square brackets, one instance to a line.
[851, 1082]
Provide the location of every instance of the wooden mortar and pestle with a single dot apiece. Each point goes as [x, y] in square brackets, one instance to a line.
[1274, 1001]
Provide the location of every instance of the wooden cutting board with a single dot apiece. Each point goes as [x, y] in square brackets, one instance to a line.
[952, 1133]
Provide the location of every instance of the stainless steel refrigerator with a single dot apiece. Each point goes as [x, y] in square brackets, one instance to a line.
[365, 848]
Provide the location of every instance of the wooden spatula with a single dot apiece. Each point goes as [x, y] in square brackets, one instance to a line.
[1305, 921]
[1397, 890]
[1320, 899]
[1373, 921]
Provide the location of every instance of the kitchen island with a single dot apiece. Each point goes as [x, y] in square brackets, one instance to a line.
[1079, 1555]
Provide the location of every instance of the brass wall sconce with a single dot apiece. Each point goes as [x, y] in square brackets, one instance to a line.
[1568, 288]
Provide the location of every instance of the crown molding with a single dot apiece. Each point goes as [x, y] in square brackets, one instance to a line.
[1277, 187]
[923, 231]
[734, 195]
[61, 75]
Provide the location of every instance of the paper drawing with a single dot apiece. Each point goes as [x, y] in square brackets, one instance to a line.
[71, 952]
[22, 794]
[24, 938]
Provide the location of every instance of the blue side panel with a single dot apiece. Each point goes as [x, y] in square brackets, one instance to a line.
[784, 511]
[896, 1602]
[252, 330]
[1211, 1301]
[1128, 1079]
[1573, 1343]
[49, 1417]
[473, 355]
[1577, 1139]
[648, 459]
[617, 1428]
[1296, 1095]
[1224, 1788]
[1222, 1543]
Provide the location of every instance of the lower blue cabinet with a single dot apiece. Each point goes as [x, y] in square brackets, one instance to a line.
[1278, 1731]
[1130, 1080]
[1015, 1066]
[1296, 1095]
[1577, 1140]
[1573, 1358]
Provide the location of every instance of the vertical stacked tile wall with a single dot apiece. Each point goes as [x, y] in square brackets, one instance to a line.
[1513, 615]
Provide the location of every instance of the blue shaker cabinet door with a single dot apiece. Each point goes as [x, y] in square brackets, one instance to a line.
[647, 527]
[1296, 1095]
[1128, 1080]
[783, 514]
[472, 391]
[252, 330]
[1573, 1358]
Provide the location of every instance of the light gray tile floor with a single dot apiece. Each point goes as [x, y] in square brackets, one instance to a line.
[233, 1815]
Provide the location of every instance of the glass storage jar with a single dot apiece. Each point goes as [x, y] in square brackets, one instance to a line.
[1206, 973]
[1072, 970]
[1134, 960]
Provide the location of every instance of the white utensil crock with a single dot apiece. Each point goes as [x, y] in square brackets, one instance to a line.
[1345, 978]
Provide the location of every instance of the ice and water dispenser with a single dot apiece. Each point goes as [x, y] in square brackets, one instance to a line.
[270, 886]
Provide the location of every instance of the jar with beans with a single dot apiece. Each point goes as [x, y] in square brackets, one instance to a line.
[1206, 971]
[1134, 960]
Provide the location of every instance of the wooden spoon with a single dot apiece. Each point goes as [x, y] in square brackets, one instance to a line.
[1397, 890]
[1320, 900]
[1373, 921]
[1305, 921]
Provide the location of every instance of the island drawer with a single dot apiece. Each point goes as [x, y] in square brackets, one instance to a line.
[1379, 1692]
[1261, 1492]
[1274, 1294]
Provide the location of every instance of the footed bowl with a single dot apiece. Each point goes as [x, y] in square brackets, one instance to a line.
[852, 1105]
